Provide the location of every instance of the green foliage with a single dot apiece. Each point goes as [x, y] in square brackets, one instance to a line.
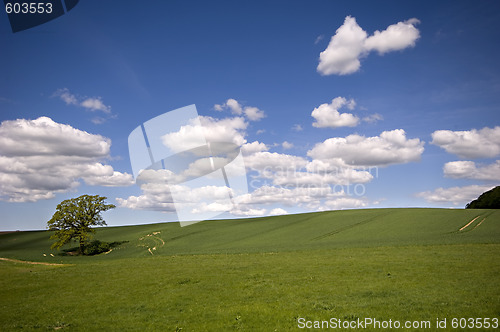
[488, 200]
[74, 218]
[96, 247]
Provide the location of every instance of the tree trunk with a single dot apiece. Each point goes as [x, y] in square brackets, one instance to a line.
[80, 249]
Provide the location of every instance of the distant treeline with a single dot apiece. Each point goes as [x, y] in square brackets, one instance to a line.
[487, 200]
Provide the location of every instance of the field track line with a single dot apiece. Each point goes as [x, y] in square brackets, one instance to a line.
[348, 227]
[155, 239]
[27, 262]
[470, 222]
[479, 223]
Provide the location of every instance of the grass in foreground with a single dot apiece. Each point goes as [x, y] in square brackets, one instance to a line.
[260, 274]
[253, 292]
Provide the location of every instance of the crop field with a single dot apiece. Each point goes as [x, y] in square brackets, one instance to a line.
[261, 274]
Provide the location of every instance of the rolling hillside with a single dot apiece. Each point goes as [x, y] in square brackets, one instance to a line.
[311, 231]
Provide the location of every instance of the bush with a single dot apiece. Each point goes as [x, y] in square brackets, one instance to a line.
[96, 247]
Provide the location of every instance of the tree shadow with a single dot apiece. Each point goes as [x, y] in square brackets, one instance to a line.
[93, 248]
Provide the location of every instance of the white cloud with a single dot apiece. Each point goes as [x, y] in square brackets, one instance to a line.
[309, 198]
[288, 196]
[270, 161]
[277, 212]
[234, 106]
[373, 118]
[156, 197]
[345, 203]
[454, 195]
[40, 158]
[254, 114]
[328, 115]
[297, 127]
[351, 104]
[109, 178]
[484, 143]
[469, 170]
[396, 37]
[44, 137]
[287, 145]
[89, 103]
[95, 104]
[391, 147]
[342, 54]
[350, 43]
[214, 130]
[251, 148]
[66, 96]
[250, 112]
[276, 178]
[248, 212]
[294, 178]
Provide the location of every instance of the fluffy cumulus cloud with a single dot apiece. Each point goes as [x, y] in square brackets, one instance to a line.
[155, 197]
[282, 179]
[251, 148]
[395, 38]
[469, 170]
[331, 176]
[391, 147]
[39, 158]
[454, 195]
[309, 198]
[299, 196]
[284, 170]
[95, 104]
[214, 130]
[471, 144]
[328, 115]
[351, 43]
[265, 160]
[250, 112]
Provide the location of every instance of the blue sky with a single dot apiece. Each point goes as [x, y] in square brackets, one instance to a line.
[408, 114]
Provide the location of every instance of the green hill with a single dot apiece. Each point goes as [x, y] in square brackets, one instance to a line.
[321, 230]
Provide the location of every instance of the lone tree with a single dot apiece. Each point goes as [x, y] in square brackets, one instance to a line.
[74, 217]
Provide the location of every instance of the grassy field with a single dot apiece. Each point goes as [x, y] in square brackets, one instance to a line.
[260, 274]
